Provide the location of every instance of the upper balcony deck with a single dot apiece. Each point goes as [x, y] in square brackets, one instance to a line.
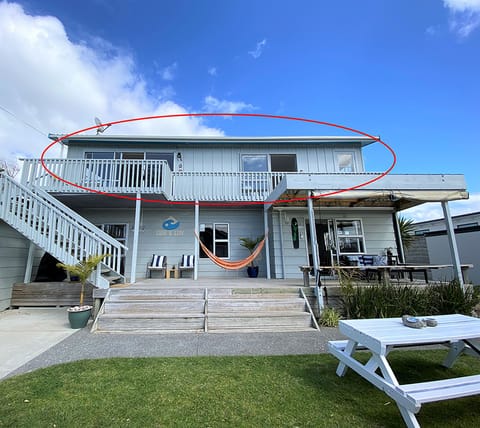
[154, 177]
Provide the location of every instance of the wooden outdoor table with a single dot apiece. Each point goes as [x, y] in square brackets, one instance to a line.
[380, 336]
[384, 271]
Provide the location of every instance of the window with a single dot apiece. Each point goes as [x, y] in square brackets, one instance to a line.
[161, 156]
[99, 155]
[467, 225]
[119, 232]
[254, 163]
[421, 232]
[216, 238]
[344, 162]
[350, 236]
[283, 163]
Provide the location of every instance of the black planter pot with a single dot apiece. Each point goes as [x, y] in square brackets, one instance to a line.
[252, 271]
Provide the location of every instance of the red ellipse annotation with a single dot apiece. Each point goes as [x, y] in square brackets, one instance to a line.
[242, 203]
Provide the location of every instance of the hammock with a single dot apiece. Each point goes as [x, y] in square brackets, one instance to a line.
[232, 265]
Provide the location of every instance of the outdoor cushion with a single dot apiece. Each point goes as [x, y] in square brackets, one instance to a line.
[188, 261]
[158, 261]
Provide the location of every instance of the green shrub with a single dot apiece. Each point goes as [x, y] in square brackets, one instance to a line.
[389, 300]
[330, 317]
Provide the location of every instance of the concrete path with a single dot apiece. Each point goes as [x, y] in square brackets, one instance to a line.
[34, 341]
[28, 332]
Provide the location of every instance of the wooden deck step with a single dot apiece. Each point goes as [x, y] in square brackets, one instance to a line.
[227, 305]
[156, 306]
[197, 309]
[145, 324]
[260, 321]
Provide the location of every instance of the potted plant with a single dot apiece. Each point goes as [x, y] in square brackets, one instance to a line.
[250, 245]
[79, 315]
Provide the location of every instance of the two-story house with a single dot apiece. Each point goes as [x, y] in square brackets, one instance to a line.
[134, 196]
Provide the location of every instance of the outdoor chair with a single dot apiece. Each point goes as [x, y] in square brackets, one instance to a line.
[158, 263]
[187, 263]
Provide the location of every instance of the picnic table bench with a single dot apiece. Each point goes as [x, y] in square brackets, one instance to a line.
[380, 336]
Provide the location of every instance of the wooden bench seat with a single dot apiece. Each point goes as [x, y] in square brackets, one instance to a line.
[438, 390]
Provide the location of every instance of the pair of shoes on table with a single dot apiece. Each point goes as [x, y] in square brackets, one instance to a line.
[414, 322]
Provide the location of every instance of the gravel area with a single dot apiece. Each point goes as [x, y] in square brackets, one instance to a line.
[85, 345]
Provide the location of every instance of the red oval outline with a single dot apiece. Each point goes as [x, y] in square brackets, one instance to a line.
[269, 116]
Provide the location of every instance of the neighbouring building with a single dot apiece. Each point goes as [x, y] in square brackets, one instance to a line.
[431, 245]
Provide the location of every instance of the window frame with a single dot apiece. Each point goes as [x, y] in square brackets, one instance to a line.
[337, 154]
[359, 236]
[215, 240]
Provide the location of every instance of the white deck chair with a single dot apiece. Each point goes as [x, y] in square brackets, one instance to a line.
[158, 263]
[187, 263]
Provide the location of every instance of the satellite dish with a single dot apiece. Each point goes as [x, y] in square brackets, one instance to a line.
[100, 128]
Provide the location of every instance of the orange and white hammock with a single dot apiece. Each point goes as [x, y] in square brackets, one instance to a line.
[232, 265]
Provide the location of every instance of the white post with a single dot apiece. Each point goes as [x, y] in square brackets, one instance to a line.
[197, 244]
[316, 260]
[457, 269]
[267, 249]
[281, 243]
[313, 234]
[28, 268]
[398, 232]
[136, 233]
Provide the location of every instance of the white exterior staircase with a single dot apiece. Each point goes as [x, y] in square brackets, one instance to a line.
[58, 230]
[194, 309]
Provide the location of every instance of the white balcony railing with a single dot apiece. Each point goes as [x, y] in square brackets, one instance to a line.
[224, 186]
[148, 177]
[104, 175]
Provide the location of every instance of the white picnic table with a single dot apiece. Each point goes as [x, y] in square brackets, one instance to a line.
[379, 336]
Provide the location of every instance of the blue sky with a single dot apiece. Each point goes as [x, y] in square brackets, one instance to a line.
[406, 70]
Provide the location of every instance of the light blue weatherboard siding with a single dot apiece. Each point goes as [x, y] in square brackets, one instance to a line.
[154, 239]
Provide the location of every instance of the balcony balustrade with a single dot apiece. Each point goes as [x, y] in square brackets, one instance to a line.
[147, 177]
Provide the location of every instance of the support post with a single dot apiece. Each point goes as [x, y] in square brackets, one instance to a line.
[28, 269]
[267, 248]
[398, 235]
[282, 250]
[315, 256]
[196, 243]
[457, 269]
[136, 233]
[313, 234]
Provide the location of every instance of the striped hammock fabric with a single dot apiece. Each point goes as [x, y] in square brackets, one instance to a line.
[225, 264]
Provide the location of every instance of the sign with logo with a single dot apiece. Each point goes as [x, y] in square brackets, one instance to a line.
[170, 227]
[170, 223]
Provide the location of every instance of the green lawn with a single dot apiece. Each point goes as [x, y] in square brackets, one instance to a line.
[286, 391]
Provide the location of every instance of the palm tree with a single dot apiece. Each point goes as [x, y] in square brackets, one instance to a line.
[407, 231]
[250, 244]
[83, 270]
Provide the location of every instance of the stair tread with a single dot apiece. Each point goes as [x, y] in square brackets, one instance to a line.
[157, 315]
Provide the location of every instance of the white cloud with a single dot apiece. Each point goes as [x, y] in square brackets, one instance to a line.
[464, 16]
[212, 71]
[431, 31]
[259, 49]
[214, 105]
[433, 210]
[59, 86]
[168, 73]
[462, 5]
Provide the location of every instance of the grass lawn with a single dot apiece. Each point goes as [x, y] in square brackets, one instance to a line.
[286, 391]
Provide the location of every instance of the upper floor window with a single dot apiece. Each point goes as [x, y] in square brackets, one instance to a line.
[344, 162]
[254, 163]
[168, 156]
[283, 163]
[273, 163]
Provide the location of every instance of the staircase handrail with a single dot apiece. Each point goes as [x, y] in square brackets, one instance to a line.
[97, 232]
[91, 232]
